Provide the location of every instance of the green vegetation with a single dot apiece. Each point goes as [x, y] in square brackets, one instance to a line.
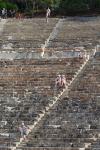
[7, 5]
[58, 6]
[74, 5]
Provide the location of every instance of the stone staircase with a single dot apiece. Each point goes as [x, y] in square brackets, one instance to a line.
[79, 128]
[84, 144]
[24, 83]
[27, 90]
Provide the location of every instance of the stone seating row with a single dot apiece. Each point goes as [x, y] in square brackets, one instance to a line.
[76, 34]
[79, 29]
[41, 62]
[16, 31]
[40, 75]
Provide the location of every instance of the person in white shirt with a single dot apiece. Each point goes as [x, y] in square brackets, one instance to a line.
[48, 12]
[23, 130]
[3, 13]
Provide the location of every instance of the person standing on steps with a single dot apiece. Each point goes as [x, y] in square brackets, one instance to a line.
[23, 130]
[63, 81]
[58, 82]
[48, 13]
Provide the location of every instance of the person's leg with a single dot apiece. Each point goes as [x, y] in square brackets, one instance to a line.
[47, 19]
[64, 85]
[22, 135]
[2, 16]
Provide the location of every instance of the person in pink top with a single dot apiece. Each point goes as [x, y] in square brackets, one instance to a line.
[63, 81]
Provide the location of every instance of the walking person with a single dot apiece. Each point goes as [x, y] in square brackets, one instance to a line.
[63, 81]
[48, 13]
[58, 82]
[23, 130]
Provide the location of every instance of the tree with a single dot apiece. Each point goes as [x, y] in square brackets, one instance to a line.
[97, 4]
[62, 6]
[73, 5]
[8, 5]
